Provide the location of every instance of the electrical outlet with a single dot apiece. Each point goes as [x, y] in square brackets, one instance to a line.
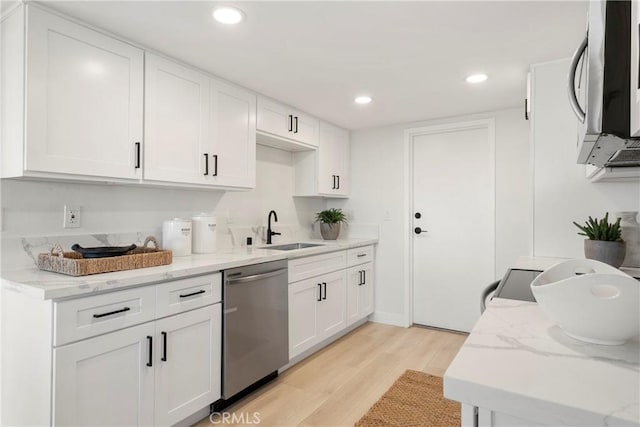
[71, 216]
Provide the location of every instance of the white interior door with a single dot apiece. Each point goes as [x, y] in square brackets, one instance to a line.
[454, 197]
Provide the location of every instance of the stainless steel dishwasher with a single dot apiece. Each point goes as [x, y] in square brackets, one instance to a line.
[256, 326]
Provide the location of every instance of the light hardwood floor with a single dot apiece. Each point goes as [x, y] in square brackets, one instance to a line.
[337, 385]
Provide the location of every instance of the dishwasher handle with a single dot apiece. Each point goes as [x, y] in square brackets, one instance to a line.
[255, 277]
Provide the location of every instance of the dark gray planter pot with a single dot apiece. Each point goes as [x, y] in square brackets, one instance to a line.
[329, 231]
[611, 253]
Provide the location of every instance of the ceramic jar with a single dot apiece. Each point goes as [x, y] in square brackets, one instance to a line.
[631, 235]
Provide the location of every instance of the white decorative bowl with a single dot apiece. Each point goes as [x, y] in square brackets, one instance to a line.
[590, 301]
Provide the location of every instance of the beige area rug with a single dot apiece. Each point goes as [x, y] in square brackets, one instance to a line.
[415, 399]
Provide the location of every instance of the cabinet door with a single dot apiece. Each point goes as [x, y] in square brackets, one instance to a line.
[176, 122]
[105, 380]
[274, 118]
[233, 129]
[333, 160]
[305, 128]
[332, 310]
[84, 100]
[188, 370]
[304, 297]
[354, 281]
[366, 291]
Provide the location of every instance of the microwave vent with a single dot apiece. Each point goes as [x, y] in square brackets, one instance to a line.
[629, 156]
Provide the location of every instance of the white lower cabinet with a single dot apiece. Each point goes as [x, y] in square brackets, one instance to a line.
[146, 356]
[186, 362]
[317, 310]
[339, 294]
[359, 292]
[105, 380]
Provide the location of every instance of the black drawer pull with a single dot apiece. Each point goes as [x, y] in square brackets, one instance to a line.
[122, 310]
[361, 255]
[137, 166]
[150, 341]
[164, 346]
[201, 291]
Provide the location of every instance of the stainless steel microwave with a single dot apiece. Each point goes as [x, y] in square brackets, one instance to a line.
[604, 85]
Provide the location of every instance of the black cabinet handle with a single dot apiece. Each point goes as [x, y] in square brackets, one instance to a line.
[137, 155]
[334, 182]
[201, 291]
[215, 165]
[122, 310]
[319, 292]
[364, 277]
[526, 104]
[206, 164]
[150, 342]
[361, 255]
[164, 346]
[296, 128]
[360, 280]
[338, 182]
[325, 290]
[290, 123]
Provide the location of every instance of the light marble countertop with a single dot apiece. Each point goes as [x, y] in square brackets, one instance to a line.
[47, 285]
[518, 362]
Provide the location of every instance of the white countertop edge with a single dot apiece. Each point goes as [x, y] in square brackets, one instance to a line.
[48, 285]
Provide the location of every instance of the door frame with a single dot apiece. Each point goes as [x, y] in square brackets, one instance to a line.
[409, 136]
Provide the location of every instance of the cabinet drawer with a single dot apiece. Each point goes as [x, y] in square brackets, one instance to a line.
[86, 317]
[303, 268]
[186, 294]
[359, 255]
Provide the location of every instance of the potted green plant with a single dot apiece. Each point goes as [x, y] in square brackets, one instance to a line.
[330, 221]
[604, 242]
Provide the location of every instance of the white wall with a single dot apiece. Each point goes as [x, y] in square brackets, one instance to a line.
[34, 208]
[562, 194]
[377, 170]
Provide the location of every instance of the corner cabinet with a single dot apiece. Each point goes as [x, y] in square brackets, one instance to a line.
[198, 130]
[325, 171]
[82, 99]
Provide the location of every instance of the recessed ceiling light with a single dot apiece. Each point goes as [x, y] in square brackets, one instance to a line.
[363, 99]
[228, 15]
[476, 78]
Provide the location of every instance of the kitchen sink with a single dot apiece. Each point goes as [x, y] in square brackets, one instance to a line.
[292, 246]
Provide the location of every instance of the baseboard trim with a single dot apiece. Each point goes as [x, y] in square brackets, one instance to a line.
[394, 319]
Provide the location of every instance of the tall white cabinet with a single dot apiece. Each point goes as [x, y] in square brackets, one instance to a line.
[83, 100]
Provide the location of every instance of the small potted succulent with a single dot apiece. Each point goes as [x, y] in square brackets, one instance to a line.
[604, 242]
[330, 221]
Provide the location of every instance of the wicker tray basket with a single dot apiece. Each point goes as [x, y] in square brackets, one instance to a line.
[72, 263]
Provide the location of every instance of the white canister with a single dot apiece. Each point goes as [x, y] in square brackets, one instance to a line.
[204, 233]
[176, 236]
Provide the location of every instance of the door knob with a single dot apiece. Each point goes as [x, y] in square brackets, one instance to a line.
[418, 215]
[419, 230]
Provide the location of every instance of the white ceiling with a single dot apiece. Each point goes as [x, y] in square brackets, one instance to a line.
[412, 57]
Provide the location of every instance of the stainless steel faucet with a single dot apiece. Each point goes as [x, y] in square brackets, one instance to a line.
[269, 232]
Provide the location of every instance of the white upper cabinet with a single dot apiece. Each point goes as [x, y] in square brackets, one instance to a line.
[325, 171]
[276, 121]
[232, 156]
[84, 95]
[176, 122]
[198, 130]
